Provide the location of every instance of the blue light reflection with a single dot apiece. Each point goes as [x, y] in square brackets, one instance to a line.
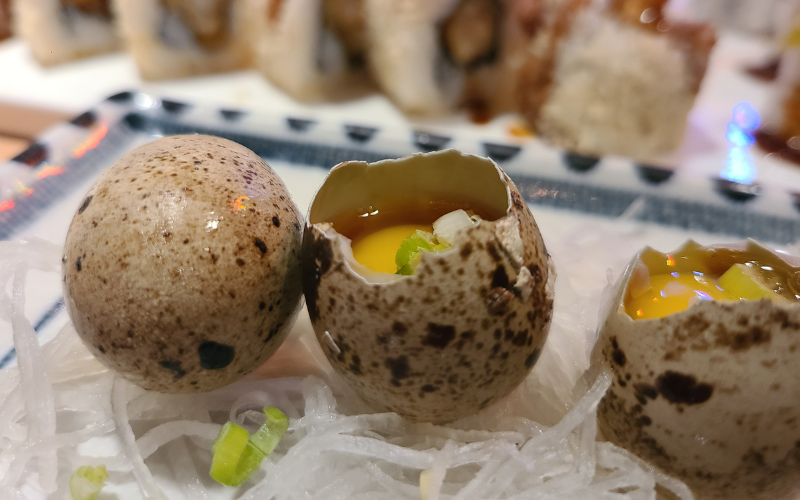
[739, 133]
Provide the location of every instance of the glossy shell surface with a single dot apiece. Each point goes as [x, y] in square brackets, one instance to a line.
[466, 328]
[181, 266]
[711, 394]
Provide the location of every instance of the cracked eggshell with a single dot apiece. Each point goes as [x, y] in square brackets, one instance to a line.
[467, 327]
[182, 264]
[710, 395]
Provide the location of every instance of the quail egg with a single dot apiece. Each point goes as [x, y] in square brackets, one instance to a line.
[704, 347]
[181, 266]
[427, 282]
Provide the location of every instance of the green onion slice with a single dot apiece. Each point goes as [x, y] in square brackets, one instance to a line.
[267, 437]
[410, 251]
[86, 482]
[237, 454]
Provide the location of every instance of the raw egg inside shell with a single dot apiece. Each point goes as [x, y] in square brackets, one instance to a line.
[427, 282]
[668, 285]
[704, 346]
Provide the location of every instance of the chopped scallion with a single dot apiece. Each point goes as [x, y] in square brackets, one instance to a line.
[237, 454]
[86, 482]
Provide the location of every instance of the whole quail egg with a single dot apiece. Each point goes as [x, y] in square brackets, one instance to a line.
[704, 347]
[463, 328]
[181, 266]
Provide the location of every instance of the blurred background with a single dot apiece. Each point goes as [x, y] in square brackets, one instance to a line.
[680, 84]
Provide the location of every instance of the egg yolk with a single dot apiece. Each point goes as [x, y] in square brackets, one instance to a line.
[673, 292]
[377, 250]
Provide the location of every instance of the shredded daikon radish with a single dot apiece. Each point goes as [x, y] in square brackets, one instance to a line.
[119, 403]
[157, 437]
[185, 471]
[538, 443]
[36, 387]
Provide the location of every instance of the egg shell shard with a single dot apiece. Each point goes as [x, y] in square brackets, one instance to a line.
[710, 394]
[182, 265]
[466, 328]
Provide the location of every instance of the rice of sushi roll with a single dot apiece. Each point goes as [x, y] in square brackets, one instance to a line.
[182, 38]
[424, 52]
[614, 78]
[311, 49]
[62, 30]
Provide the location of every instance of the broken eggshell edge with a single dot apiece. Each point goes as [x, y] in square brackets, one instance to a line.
[709, 395]
[460, 333]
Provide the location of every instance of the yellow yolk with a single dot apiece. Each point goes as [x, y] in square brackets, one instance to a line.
[673, 292]
[377, 250]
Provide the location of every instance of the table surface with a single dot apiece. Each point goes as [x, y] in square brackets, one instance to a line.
[71, 88]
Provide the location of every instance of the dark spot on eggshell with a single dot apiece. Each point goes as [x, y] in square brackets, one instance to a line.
[520, 338]
[780, 317]
[399, 368]
[681, 388]
[215, 356]
[428, 388]
[276, 221]
[174, 366]
[78, 265]
[355, 364]
[500, 278]
[260, 244]
[532, 358]
[439, 336]
[85, 204]
[262, 305]
[493, 252]
[536, 273]
[316, 261]
[740, 340]
[498, 301]
[645, 392]
[616, 354]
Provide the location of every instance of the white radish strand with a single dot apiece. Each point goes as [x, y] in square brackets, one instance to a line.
[144, 477]
[185, 471]
[37, 389]
[158, 436]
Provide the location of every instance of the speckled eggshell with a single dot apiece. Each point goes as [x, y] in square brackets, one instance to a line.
[460, 333]
[710, 395]
[181, 266]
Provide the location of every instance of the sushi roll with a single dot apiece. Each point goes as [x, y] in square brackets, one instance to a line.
[5, 19]
[62, 30]
[311, 49]
[182, 38]
[780, 131]
[425, 52]
[614, 78]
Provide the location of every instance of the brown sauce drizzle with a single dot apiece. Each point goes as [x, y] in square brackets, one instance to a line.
[100, 8]
[767, 71]
[772, 143]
